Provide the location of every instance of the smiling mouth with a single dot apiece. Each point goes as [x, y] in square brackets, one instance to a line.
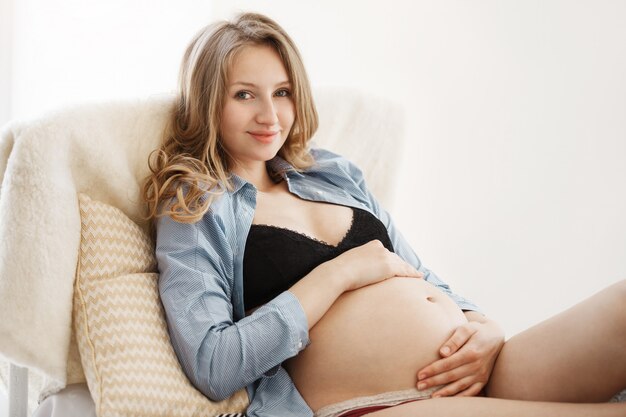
[264, 137]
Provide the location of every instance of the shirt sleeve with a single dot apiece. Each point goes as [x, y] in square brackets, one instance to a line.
[219, 355]
[400, 245]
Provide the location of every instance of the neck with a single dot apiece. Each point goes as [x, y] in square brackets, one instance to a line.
[259, 177]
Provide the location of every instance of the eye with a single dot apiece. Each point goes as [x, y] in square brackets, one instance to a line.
[243, 95]
[283, 92]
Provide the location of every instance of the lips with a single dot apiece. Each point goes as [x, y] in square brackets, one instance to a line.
[264, 136]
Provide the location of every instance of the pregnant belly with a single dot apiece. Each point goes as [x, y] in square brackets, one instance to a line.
[374, 340]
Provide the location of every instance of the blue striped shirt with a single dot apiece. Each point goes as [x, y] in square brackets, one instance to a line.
[201, 286]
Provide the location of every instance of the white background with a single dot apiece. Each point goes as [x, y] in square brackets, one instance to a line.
[513, 177]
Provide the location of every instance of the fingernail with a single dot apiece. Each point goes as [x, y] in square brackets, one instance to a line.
[421, 385]
[445, 350]
[422, 376]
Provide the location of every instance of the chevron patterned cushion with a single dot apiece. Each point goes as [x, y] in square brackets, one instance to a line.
[125, 350]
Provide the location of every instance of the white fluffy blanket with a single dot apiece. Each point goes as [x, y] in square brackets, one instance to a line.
[101, 149]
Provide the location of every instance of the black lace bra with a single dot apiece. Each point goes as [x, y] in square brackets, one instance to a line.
[275, 258]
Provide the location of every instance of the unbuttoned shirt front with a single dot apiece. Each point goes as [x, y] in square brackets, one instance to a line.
[201, 287]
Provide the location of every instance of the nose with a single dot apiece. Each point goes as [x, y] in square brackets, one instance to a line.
[267, 113]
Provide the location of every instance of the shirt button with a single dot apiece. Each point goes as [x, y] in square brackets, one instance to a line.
[300, 344]
[318, 192]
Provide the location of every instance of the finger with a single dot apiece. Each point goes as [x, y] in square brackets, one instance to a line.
[454, 388]
[409, 272]
[460, 336]
[405, 269]
[443, 365]
[468, 370]
[472, 391]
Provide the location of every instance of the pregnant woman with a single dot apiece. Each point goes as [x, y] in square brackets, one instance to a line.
[279, 272]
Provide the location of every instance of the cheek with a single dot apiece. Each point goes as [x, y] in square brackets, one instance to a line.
[230, 122]
[287, 114]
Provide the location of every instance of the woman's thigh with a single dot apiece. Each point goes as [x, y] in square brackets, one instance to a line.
[492, 407]
[576, 356]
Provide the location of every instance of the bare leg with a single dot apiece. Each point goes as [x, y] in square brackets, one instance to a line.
[576, 356]
[492, 407]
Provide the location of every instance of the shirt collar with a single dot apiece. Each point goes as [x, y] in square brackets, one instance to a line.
[276, 164]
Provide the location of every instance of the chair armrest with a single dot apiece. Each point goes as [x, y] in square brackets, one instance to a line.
[18, 391]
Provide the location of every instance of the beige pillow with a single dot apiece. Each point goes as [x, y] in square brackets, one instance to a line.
[129, 363]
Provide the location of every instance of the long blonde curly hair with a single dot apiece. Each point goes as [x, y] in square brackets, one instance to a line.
[191, 167]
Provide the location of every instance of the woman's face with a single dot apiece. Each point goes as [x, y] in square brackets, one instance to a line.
[258, 108]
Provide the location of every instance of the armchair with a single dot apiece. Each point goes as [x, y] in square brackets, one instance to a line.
[100, 151]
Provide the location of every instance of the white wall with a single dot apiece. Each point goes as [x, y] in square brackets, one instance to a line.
[69, 50]
[6, 43]
[6, 53]
[514, 173]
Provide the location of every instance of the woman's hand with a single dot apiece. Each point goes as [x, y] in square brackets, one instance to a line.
[355, 268]
[371, 263]
[467, 360]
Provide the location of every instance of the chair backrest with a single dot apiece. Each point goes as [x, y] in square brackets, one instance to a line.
[101, 149]
[367, 130]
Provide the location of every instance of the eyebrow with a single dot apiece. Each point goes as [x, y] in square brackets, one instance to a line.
[246, 84]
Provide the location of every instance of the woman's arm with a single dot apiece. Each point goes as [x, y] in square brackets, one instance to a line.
[218, 354]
